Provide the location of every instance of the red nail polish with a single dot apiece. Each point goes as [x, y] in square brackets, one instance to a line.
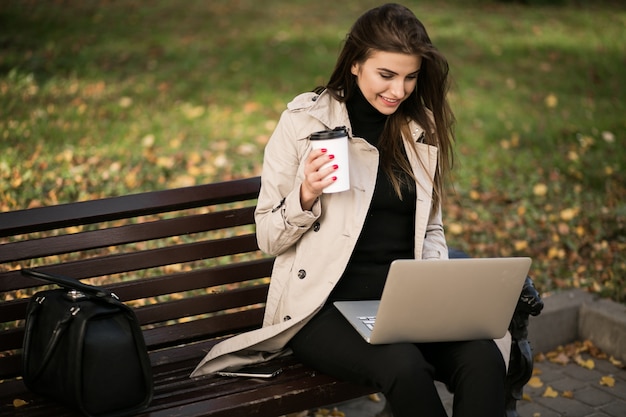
[334, 178]
[331, 156]
[324, 150]
[335, 166]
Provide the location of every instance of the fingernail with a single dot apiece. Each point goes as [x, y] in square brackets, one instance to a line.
[331, 156]
[335, 166]
[324, 150]
[334, 178]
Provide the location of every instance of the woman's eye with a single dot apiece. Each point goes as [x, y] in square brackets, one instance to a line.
[386, 76]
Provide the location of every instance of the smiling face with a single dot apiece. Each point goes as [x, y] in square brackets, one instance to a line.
[386, 79]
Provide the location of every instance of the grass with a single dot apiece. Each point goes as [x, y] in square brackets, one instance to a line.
[104, 98]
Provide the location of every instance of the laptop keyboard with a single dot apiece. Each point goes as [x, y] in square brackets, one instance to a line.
[368, 321]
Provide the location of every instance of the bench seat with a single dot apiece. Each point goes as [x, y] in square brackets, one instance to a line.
[187, 261]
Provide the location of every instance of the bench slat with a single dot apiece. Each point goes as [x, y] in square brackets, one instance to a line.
[123, 207]
[129, 262]
[192, 306]
[166, 284]
[222, 325]
[55, 245]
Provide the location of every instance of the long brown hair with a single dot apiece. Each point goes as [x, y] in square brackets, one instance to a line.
[394, 28]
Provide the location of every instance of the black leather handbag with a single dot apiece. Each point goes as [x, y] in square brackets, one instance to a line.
[84, 347]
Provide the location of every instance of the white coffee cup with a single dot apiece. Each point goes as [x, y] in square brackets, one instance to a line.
[336, 143]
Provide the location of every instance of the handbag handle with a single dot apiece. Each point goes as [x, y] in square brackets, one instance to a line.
[58, 331]
[71, 283]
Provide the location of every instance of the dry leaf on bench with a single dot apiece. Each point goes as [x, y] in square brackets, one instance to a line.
[19, 403]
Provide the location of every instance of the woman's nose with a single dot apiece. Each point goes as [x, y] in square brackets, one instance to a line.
[397, 88]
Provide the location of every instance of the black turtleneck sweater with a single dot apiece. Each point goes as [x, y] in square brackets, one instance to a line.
[389, 229]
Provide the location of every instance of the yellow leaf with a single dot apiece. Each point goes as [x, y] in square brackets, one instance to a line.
[568, 394]
[550, 393]
[551, 101]
[616, 362]
[521, 245]
[455, 228]
[535, 382]
[572, 156]
[568, 214]
[148, 141]
[125, 102]
[166, 162]
[607, 381]
[589, 363]
[540, 190]
[527, 397]
[19, 403]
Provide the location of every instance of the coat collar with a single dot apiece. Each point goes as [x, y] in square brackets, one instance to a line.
[333, 113]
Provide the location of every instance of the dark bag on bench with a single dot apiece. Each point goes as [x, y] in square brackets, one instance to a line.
[84, 347]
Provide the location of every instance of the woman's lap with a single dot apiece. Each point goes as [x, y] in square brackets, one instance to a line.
[473, 370]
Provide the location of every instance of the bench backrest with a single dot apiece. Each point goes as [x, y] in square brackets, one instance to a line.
[186, 259]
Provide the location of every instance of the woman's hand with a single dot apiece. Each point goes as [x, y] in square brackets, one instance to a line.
[316, 176]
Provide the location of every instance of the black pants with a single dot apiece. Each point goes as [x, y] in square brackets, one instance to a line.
[405, 372]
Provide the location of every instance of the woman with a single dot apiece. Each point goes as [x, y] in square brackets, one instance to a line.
[389, 89]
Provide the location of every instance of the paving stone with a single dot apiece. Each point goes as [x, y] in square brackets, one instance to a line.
[593, 396]
[566, 406]
[615, 409]
[531, 409]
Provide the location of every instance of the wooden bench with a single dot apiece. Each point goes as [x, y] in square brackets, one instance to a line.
[187, 260]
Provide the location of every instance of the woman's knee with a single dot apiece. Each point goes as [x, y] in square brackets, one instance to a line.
[482, 359]
[405, 363]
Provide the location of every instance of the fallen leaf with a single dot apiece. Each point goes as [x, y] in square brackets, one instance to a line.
[550, 393]
[561, 358]
[527, 397]
[588, 363]
[540, 190]
[568, 214]
[607, 381]
[455, 228]
[19, 403]
[551, 101]
[608, 137]
[568, 394]
[535, 382]
[616, 362]
[521, 245]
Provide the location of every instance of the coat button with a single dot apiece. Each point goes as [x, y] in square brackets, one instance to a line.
[302, 274]
[316, 226]
[286, 318]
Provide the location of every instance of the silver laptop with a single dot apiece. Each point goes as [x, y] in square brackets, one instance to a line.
[441, 300]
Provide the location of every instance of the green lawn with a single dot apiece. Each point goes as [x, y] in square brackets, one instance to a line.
[102, 98]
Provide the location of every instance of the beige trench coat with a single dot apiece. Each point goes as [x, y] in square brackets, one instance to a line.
[312, 248]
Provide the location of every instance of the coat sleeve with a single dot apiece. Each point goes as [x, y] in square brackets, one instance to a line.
[435, 246]
[280, 220]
